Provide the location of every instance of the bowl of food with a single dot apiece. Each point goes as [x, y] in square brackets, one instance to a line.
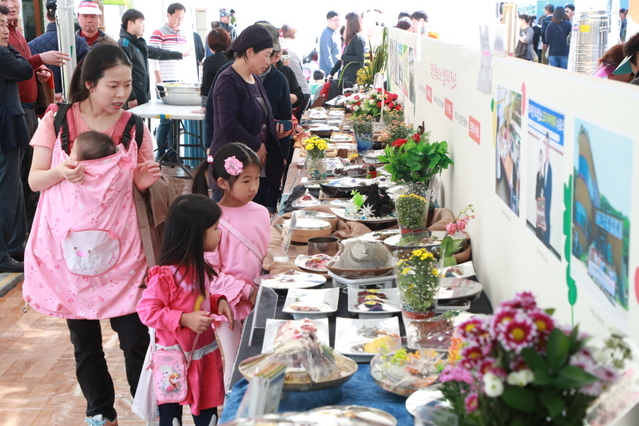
[179, 94]
[361, 259]
[402, 370]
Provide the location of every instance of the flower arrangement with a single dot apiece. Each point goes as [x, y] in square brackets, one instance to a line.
[417, 276]
[411, 211]
[519, 367]
[416, 159]
[362, 124]
[372, 103]
[315, 147]
[449, 245]
[397, 130]
[394, 115]
[376, 63]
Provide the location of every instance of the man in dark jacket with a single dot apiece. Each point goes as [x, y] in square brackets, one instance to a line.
[132, 42]
[13, 141]
[49, 41]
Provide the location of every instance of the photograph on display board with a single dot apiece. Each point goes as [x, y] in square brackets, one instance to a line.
[601, 212]
[545, 148]
[411, 75]
[508, 146]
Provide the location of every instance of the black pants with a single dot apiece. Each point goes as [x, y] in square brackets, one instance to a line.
[90, 362]
[12, 218]
[168, 412]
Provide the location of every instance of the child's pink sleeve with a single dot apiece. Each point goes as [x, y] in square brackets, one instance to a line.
[229, 287]
[153, 307]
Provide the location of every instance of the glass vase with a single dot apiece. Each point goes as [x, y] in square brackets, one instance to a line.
[316, 167]
[364, 141]
[412, 208]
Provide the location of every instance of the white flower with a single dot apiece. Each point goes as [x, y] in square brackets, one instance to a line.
[355, 107]
[520, 378]
[599, 355]
[493, 386]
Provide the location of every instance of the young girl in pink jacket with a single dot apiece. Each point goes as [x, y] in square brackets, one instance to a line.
[244, 236]
[177, 303]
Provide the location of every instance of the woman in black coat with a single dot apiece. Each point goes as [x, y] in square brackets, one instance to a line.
[218, 41]
[353, 56]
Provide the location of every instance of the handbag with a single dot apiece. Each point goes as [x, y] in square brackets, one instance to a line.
[145, 403]
[170, 369]
[46, 96]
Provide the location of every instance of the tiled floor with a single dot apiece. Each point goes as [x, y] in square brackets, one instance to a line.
[37, 377]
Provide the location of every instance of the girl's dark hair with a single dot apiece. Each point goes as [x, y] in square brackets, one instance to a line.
[243, 153]
[527, 18]
[631, 47]
[186, 223]
[91, 69]
[218, 40]
[353, 26]
[559, 15]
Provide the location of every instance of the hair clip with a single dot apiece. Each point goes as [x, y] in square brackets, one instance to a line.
[209, 159]
[233, 166]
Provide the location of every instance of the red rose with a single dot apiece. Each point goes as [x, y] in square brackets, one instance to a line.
[379, 104]
[356, 97]
[379, 90]
[417, 137]
[358, 103]
[399, 108]
[391, 105]
[399, 142]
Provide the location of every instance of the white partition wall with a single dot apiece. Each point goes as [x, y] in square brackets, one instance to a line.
[540, 130]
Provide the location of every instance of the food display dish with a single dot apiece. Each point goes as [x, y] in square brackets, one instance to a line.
[311, 214]
[290, 279]
[421, 398]
[380, 235]
[457, 290]
[335, 414]
[360, 339]
[302, 303]
[403, 370]
[273, 325]
[373, 220]
[341, 137]
[342, 187]
[179, 93]
[369, 303]
[316, 263]
[361, 259]
[463, 270]
[308, 228]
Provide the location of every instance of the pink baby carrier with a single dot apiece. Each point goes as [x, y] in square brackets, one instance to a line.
[84, 257]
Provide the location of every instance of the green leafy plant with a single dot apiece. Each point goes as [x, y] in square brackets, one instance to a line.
[451, 245]
[362, 124]
[416, 159]
[417, 276]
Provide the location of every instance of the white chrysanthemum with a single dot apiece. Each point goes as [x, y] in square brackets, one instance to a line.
[520, 378]
[493, 386]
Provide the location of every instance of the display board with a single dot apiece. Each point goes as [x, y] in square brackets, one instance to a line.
[550, 162]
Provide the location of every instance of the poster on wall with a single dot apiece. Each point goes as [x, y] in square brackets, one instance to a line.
[601, 209]
[508, 146]
[545, 148]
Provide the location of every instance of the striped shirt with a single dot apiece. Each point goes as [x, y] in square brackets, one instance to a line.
[167, 38]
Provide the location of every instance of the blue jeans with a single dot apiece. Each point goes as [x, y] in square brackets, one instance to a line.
[165, 138]
[558, 61]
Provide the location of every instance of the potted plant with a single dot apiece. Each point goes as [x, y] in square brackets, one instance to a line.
[376, 64]
[315, 155]
[362, 127]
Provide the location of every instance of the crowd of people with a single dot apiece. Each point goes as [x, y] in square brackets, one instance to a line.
[91, 222]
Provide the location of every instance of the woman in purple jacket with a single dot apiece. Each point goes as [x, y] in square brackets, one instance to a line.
[242, 113]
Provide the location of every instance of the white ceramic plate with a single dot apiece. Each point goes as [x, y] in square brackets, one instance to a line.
[291, 279]
[302, 303]
[342, 213]
[300, 262]
[421, 398]
[380, 235]
[272, 325]
[352, 334]
[457, 289]
[387, 306]
[463, 270]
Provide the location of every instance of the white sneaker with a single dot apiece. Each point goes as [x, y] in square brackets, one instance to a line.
[99, 420]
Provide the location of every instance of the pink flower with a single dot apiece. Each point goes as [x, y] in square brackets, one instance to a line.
[233, 166]
[543, 322]
[461, 225]
[457, 374]
[486, 365]
[475, 331]
[517, 334]
[502, 317]
[471, 403]
[451, 228]
[524, 301]
[472, 356]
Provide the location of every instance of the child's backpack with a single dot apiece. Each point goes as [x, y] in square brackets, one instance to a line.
[61, 122]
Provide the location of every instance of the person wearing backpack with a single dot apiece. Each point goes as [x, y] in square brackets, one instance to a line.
[556, 37]
[85, 259]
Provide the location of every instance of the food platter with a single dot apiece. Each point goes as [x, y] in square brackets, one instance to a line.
[290, 279]
[360, 339]
[463, 270]
[380, 235]
[313, 263]
[272, 325]
[368, 415]
[421, 398]
[457, 290]
[342, 213]
[303, 303]
[367, 303]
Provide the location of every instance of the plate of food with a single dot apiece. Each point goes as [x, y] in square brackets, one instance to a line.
[290, 279]
[373, 303]
[457, 290]
[315, 263]
[463, 270]
[380, 235]
[361, 339]
[279, 330]
[424, 397]
[311, 364]
[304, 303]
[335, 414]
[342, 187]
[344, 215]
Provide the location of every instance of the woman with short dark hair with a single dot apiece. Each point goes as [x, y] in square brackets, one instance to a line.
[218, 41]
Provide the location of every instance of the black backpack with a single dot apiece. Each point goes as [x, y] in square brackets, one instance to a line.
[60, 122]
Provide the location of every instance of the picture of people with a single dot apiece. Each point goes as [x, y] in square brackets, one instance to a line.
[508, 146]
[601, 216]
[545, 148]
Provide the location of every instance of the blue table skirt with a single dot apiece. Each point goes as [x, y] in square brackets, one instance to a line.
[359, 390]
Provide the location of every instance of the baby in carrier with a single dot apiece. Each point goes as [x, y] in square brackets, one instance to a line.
[92, 146]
